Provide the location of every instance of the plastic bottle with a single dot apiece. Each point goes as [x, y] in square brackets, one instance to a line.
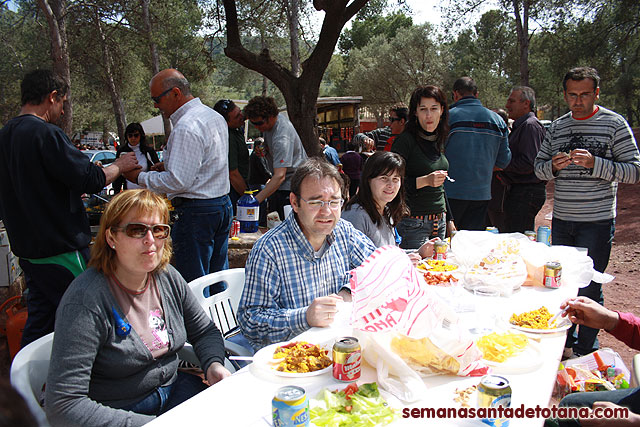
[248, 212]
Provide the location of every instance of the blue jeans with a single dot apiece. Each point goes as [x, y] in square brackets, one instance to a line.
[629, 398]
[469, 214]
[168, 397]
[521, 205]
[201, 237]
[597, 237]
[415, 232]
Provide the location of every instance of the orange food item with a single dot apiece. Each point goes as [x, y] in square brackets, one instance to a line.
[439, 279]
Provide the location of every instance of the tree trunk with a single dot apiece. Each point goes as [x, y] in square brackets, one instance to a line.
[153, 52]
[300, 92]
[55, 11]
[292, 16]
[522, 31]
[116, 99]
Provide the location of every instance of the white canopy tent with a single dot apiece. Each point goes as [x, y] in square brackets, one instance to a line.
[153, 126]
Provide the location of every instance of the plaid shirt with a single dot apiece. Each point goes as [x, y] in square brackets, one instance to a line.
[283, 277]
[196, 158]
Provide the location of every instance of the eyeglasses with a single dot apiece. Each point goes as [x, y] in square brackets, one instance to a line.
[258, 123]
[582, 96]
[138, 230]
[134, 135]
[394, 119]
[156, 99]
[319, 204]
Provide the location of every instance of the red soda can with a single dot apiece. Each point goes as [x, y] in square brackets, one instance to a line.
[346, 359]
[235, 228]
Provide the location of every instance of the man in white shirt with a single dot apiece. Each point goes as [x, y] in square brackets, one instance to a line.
[194, 176]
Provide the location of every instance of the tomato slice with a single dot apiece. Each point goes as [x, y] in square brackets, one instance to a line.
[350, 389]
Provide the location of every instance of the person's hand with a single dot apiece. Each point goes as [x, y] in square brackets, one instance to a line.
[346, 295]
[216, 372]
[157, 167]
[436, 178]
[132, 176]
[426, 250]
[415, 257]
[127, 162]
[585, 311]
[582, 157]
[560, 161]
[633, 420]
[451, 227]
[323, 310]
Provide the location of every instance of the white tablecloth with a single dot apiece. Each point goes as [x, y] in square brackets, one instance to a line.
[244, 399]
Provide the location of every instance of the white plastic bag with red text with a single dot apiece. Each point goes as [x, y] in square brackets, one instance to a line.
[392, 305]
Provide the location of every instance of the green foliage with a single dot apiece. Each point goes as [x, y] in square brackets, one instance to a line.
[385, 72]
[24, 46]
[363, 30]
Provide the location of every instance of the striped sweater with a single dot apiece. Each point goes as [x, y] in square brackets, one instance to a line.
[587, 195]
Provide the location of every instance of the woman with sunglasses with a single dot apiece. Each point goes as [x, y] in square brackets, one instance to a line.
[121, 323]
[422, 147]
[380, 204]
[135, 140]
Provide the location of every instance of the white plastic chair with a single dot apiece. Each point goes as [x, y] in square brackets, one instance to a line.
[29, 373]
[223, 306]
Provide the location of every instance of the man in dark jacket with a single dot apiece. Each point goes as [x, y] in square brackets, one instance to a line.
[526, 192]
[42, 178]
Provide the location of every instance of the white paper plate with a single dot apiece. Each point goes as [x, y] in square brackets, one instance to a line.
[563, 325]
[528, 360]
[264, 359]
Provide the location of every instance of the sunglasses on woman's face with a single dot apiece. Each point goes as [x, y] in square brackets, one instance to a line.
[134, 135]
[138, 230]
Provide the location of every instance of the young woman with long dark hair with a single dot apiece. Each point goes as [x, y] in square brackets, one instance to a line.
[422, 147]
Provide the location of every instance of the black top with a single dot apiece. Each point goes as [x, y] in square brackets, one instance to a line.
[42, 178]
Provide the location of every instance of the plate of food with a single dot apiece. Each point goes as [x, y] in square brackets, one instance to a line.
[536, 322]
[439, 279]
[510, 353]
[436, 265]
[354, 405]
[295, 359]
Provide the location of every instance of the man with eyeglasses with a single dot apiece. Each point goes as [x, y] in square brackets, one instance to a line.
[587, 151]
[298, 272]
[384, 137]
[42, 179]
[195, 176]
[238, 151]
[284, 153]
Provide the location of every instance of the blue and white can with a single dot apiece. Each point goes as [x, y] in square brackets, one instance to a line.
[290, 407]
[544, 235]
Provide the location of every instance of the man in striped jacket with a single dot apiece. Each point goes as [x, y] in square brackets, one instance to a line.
[587, 151]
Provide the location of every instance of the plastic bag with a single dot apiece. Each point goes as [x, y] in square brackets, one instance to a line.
[392, 305]
[577, 266]
[491, 260]
[601, 370]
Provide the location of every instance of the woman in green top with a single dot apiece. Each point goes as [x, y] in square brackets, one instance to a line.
[422, 146]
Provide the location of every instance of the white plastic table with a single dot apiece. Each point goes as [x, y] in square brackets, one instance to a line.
[244, 399]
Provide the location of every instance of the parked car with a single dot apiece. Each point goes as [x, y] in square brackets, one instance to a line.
[105, 157]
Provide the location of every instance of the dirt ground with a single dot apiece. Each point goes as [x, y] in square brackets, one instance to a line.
[621, 294]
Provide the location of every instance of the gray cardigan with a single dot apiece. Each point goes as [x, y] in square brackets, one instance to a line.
[381, 234]
[93, 370]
